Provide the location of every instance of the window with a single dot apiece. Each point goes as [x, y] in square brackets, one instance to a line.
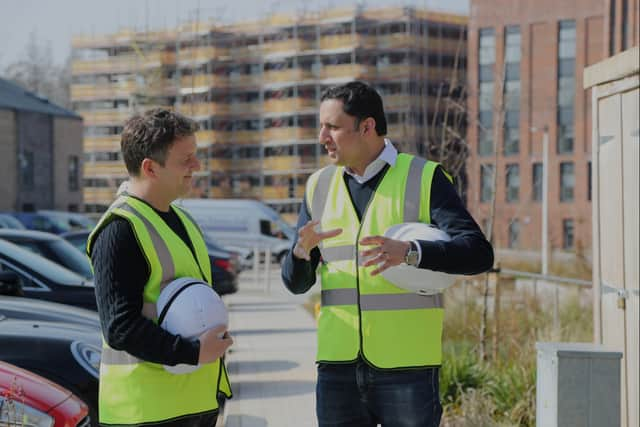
[566, 85]
[74, 173]
[513, 183]
[511, 132]
[486, 59]
[511, 94]
[27, 171]
[514, 234]
[567, 234]
[486, 182]
[536, 182]
[567, 181]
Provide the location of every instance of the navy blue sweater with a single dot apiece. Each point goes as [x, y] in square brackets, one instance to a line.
[468, 252]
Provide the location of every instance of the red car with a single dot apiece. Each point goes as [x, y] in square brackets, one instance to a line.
[30, 400]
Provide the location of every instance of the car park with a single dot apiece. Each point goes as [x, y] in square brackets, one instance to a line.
[52, 247]
[27, 399]
[74, 220]
[23, 308]
[41, 222]
[37, 277]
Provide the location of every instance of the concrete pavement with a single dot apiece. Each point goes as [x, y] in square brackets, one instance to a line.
[271, 364]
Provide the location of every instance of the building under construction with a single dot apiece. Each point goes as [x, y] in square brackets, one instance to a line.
[254, 88]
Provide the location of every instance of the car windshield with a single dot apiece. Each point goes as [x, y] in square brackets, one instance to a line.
[73, 258]
[79, 241]
[39, 265]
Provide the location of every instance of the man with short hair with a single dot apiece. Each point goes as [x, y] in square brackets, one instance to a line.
[141, 244]
[379, 346]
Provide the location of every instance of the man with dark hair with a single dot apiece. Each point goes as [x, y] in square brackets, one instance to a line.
[141, 244]
[379, 346]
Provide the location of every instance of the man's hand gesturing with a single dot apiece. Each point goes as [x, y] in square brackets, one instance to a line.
[308, 238]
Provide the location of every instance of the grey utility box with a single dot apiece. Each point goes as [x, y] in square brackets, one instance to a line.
[578, 385]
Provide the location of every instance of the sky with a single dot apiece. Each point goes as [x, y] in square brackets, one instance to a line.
[55, 21]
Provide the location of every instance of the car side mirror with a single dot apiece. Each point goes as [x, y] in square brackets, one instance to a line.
[10, 284]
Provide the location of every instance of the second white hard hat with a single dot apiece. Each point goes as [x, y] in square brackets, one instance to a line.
[419, 280]
[188, 307]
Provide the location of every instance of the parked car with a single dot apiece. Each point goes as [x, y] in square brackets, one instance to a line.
[9, 221]
[27, 399]
[52, 247]
[37, 277]
[41, 222]
[78, 239]
[74, 220]
[22, 308]
[223, 269]
[242, 223]
[65, 353]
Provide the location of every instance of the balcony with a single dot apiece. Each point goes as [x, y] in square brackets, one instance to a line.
[244, 136]
[216, 165]
[105, 117]
[99, 195]
[101, 143]
[288, 105]
[204, 109]
[289, 134]
[285, 46]
[219, 192]
[351, 71]
[205, 81]
[246, 107]
[116, 168]
[244, 52]
[198, 55]
[288, 75]
[346, 41]
[212, 137]
[81, 92]
[447, 46]
[275, 192]
[281, 163]
[122, 63]
[247, 165]
[398, 41]
[245, 79]
[400, 71]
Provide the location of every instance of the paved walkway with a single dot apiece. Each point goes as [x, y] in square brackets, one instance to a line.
[271, 363]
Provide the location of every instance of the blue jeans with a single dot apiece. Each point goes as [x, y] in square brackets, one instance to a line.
[357, 395]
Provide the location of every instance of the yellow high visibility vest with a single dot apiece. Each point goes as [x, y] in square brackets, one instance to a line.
[363, 314]
[133, 391]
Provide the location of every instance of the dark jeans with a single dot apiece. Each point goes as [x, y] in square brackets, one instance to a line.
[357, 395]
[207, 419]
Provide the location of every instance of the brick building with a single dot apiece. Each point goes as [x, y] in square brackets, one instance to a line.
[525, 66]
[41, 152]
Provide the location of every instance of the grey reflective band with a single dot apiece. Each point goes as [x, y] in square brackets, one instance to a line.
[321, 192]
[116, 357]
[400, 302]
[333, 297]
[338, 253]
[339, 297]
[413, 193]
[164, 256]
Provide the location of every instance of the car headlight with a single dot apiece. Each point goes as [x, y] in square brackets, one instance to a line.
[88, 356]
[13, 412]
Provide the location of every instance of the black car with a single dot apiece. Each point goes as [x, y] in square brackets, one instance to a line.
[39, 278]
[52, 247]
[22, 308]
[65, 353]
[223, 269]
[78, 239]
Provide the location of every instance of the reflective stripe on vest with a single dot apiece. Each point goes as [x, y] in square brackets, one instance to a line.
[133, 391]
[360, 313]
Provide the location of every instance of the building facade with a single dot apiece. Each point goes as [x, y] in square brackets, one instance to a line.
[254, 87]
[41, 152]
[623, 25]
[525, 69]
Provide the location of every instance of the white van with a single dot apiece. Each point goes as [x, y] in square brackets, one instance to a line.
[241, 223]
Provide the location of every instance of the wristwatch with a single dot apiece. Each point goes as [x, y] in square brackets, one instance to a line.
[411, 257]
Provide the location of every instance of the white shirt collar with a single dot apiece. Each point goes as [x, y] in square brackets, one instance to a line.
[389, 155]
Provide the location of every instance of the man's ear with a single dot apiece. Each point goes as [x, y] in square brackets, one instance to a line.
[148, 168]
[369, 125]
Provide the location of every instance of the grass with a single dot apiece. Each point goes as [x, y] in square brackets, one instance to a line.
[501, 391]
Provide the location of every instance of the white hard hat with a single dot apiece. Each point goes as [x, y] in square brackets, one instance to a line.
[414, 279]
[188, 307]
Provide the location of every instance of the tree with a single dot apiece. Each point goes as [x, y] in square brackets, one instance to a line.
[36, 72]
